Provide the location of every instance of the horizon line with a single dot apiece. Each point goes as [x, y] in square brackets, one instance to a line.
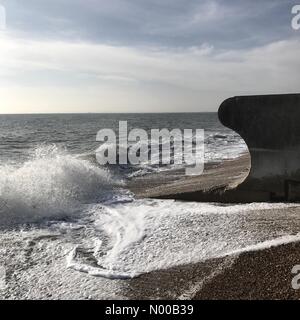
[64, 113]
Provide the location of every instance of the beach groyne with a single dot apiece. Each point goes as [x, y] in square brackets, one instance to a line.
[270, 126]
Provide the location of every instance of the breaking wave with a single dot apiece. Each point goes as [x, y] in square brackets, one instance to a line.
[52, 183]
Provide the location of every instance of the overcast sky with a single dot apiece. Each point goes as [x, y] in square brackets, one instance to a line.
[144, 55]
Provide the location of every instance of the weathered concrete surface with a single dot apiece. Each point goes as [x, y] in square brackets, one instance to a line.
[270, 126]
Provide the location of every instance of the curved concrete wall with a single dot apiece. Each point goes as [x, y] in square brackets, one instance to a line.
[270, 126]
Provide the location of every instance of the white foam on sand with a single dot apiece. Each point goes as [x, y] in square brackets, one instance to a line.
[117, 237]
[129, 239]
[268, 244]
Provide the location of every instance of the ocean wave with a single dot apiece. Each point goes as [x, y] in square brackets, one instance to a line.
[53, 183]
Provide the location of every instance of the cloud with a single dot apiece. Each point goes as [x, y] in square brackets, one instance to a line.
[170, 23]
[144, 55]
[52, 76]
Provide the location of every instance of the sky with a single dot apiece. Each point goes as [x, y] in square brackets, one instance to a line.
[144, 55]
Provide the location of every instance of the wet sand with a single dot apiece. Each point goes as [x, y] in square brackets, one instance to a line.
[263, 274]
[256, 275]
[173, 185]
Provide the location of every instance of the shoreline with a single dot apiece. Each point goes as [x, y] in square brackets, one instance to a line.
[253, 275]
[39, 256]
[175, 184]
[260, 275]
[265, 273]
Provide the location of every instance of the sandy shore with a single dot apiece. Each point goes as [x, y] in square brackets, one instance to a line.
[256, 275]
[263, 274]
[173, 185]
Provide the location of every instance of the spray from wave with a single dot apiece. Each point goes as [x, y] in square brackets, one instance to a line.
[53, 183]
[115, 239]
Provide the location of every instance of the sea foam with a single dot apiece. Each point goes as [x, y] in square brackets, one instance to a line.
[53, 183]
[145, 235]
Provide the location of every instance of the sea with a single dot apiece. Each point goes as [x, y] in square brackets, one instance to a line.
[52, 185]
[22, 135]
